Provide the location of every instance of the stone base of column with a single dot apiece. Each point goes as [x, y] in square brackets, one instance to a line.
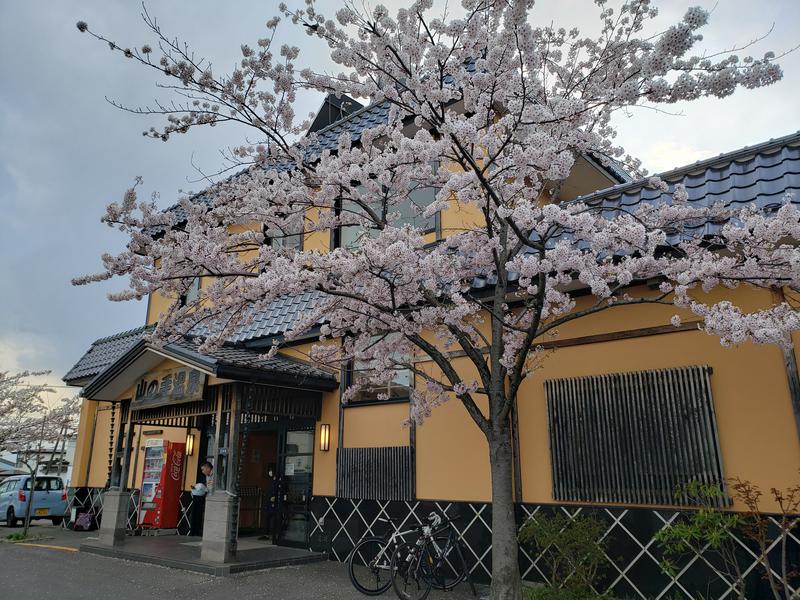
[115, 518]
[219, 528]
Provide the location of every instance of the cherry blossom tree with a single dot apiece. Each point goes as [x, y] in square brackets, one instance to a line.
[21, 406]
[504, 108]
[28, 424]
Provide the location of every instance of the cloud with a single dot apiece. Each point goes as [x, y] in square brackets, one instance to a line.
[27, 352]
[664, 156]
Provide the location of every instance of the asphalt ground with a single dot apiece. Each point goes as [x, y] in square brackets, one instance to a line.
[53, 568]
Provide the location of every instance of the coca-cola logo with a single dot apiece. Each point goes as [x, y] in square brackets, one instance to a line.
[176, 465]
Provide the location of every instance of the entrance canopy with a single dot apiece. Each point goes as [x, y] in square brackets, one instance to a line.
[228, 363]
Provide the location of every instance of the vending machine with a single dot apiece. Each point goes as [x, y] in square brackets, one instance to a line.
[162, 480]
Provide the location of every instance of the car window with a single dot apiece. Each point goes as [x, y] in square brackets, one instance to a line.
[56, 484]
[3, 487]
[41, 485]
[12, 485]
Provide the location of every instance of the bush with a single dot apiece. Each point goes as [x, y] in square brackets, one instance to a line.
[573, 550]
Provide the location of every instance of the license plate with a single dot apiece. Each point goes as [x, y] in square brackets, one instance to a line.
[40, 512]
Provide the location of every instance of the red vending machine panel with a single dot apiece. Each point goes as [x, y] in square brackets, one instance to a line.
[162, 480]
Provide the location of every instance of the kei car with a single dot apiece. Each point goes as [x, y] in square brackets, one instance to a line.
[49, 499]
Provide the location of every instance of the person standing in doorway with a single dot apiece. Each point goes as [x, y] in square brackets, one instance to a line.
[207, 469]
[199, 492]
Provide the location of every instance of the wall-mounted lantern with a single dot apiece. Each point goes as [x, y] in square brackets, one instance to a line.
[324, 437]
[190, 444]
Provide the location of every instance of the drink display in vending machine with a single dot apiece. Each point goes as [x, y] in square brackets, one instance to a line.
[162, 480]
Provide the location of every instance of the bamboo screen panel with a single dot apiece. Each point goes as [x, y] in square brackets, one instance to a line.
[633, 438]
[375, 473]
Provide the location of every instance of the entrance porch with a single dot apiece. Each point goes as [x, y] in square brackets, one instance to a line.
[257, 431]
[184, 552]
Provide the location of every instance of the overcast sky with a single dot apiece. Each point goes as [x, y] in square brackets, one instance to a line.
[65, 152]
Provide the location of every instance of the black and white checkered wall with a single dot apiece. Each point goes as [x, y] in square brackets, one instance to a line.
[632, 566]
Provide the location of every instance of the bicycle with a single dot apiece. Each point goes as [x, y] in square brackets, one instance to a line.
[370, 561]
[435, 560]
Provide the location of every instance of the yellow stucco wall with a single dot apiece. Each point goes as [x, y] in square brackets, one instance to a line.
[756, 427]
[758, 437]
[324, 483]
[376, 426]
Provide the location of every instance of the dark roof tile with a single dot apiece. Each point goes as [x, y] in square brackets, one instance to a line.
[105, 351]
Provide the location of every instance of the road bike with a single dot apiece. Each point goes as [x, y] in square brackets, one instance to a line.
[435, 559]
[369, 563]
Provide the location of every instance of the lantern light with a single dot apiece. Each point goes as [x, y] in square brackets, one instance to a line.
[324, 437]
[190, 444]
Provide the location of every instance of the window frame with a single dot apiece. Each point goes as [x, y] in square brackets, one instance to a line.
[194, 291]
[612, 437]
[349, 376]
[435, 228]
[279, 241]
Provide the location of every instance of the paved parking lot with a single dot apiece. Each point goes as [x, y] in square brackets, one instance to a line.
[55, 569]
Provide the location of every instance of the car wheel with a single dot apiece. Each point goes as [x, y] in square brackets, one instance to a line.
[11, 517]
[57, 520]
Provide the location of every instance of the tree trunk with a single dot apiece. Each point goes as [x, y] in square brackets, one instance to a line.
[506, 581]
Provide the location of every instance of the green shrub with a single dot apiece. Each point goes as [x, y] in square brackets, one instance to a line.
[572, 549]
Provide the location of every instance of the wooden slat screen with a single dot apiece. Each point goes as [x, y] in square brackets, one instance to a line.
[375, 473]
[633, 438]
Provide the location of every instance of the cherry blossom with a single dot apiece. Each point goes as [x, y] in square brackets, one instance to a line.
[505, 108]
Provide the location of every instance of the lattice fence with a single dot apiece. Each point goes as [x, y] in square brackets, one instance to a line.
[631, 570]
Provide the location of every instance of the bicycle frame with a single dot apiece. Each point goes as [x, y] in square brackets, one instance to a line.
[389, 541]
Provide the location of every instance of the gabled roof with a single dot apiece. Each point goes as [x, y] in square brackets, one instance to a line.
[104, 351]
[226, 362]
[273, 321]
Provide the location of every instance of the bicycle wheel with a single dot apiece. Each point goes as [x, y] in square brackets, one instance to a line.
[369, 566]
[410, 578]
[447, 568]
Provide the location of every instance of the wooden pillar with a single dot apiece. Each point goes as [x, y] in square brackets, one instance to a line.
[114, 477]
[127, 449]
[232, 466]
[218, 440]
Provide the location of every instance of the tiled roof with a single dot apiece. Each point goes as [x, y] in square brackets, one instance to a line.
[237, 356]
[105, 351]
[761, 175]
[326, 139]
[277, 318]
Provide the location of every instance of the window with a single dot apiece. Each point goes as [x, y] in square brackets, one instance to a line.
[419, 198]
[375, 473]
[55, 484]
[633, 438]
[350, 236]
[41, 485]
[290, 241]
[399, 388]
[193, 293]
[4, 486]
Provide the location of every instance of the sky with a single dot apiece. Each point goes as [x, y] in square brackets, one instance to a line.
[65, 152]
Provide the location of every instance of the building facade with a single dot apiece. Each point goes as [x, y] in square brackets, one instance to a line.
[624, 406]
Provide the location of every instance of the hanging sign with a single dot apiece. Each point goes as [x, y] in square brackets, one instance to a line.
[175, 386]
